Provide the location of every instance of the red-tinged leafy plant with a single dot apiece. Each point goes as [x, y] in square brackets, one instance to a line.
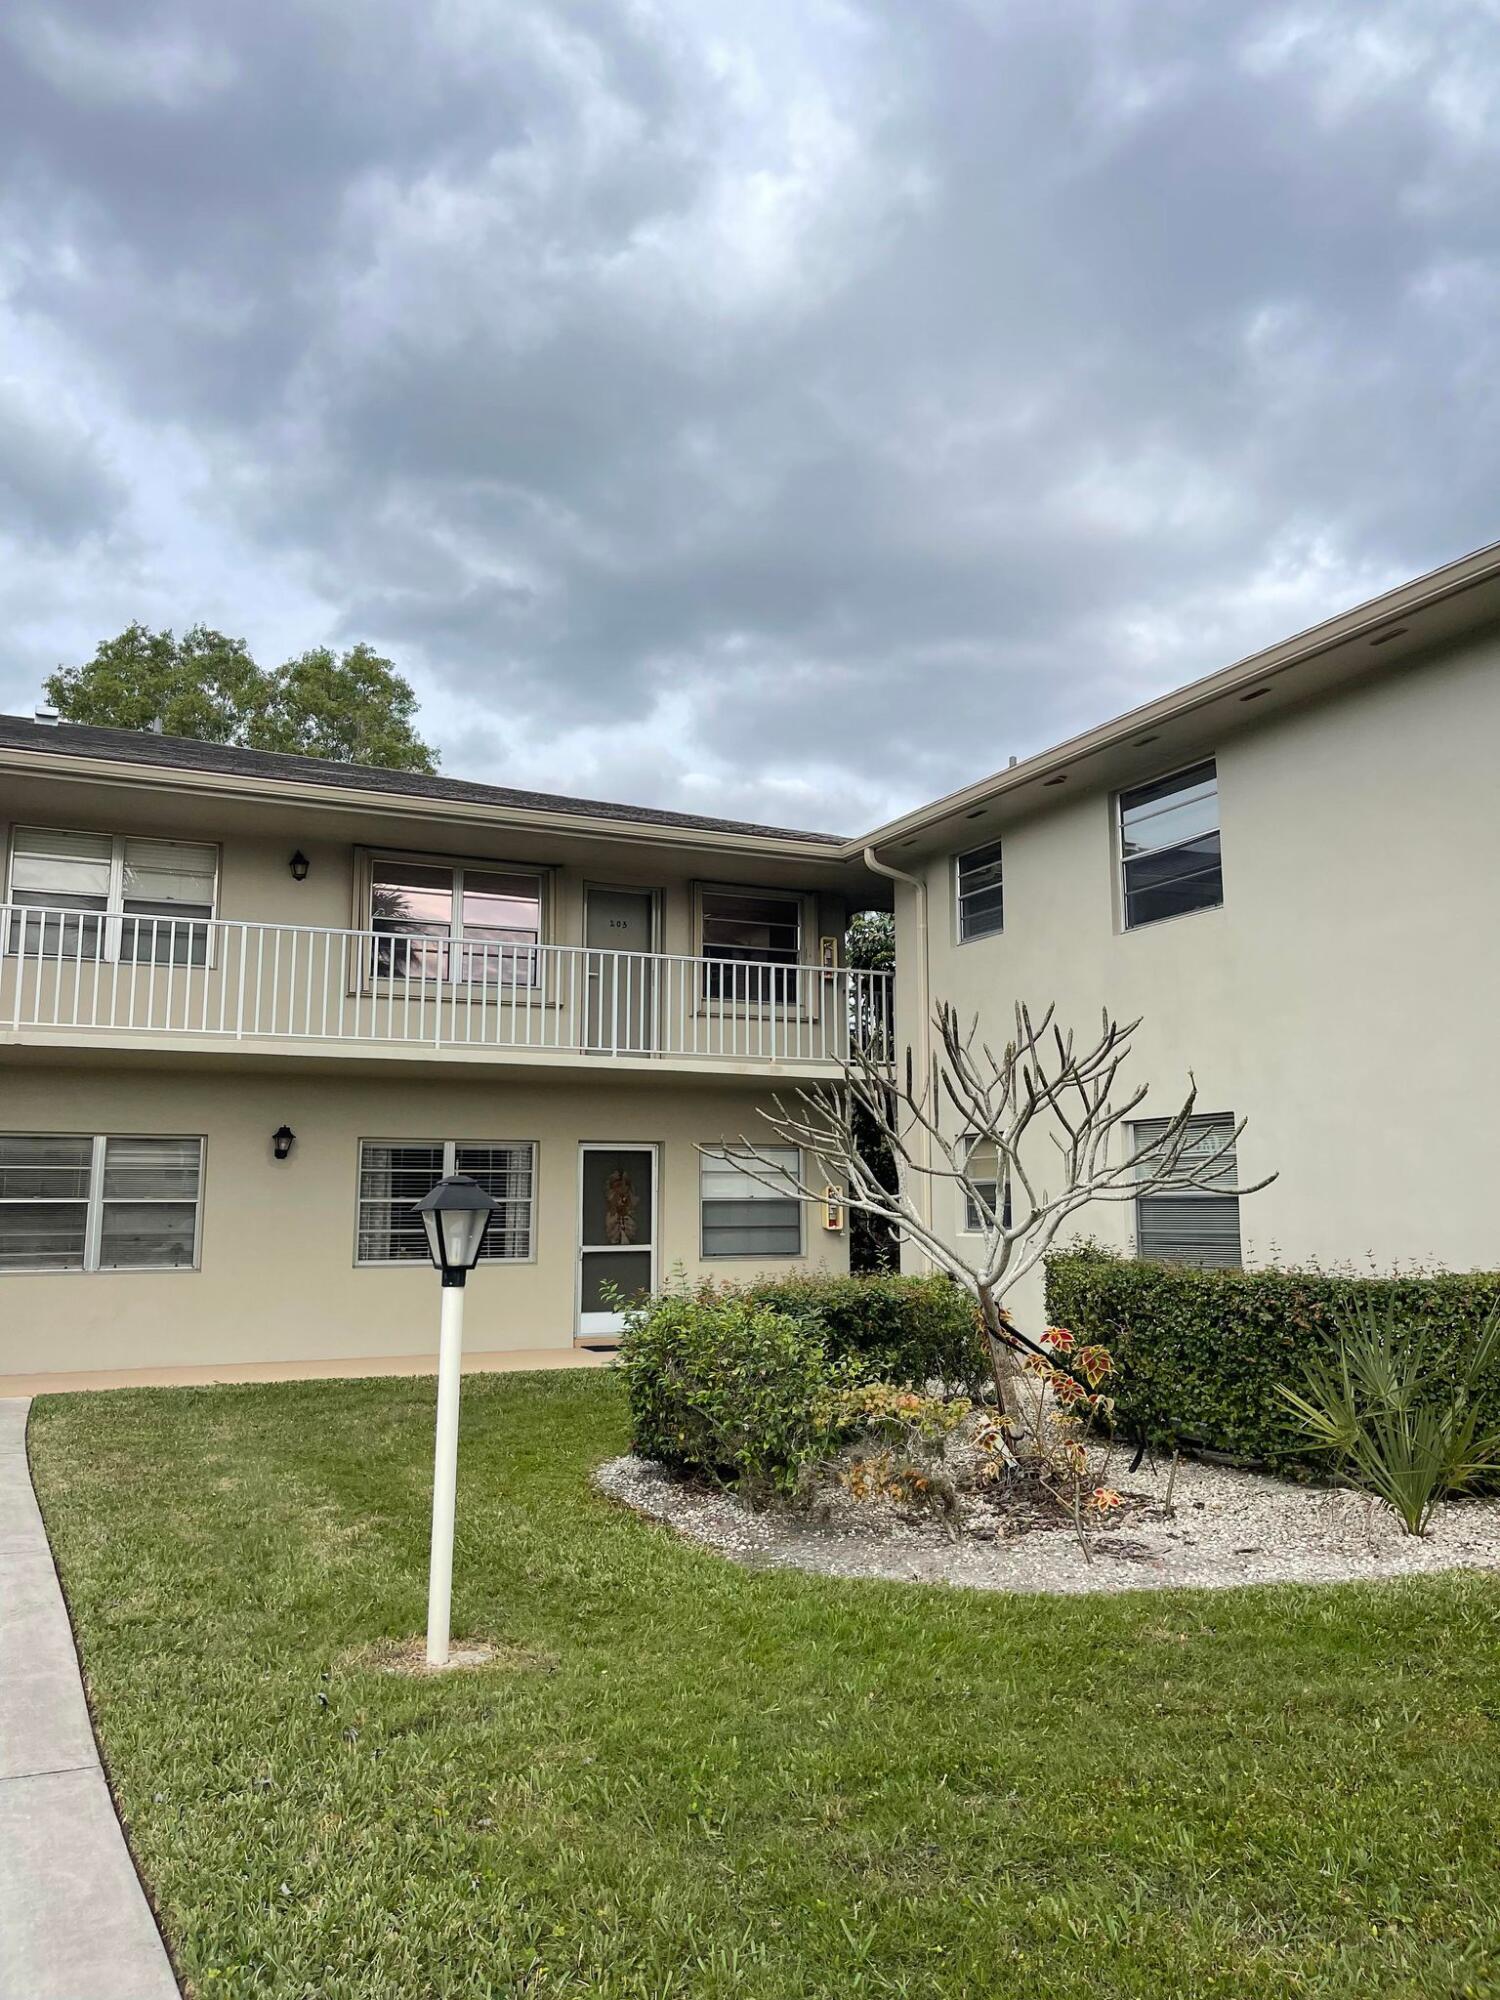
[1062, 1409]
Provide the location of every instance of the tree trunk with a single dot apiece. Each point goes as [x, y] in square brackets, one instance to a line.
[1005, 1364]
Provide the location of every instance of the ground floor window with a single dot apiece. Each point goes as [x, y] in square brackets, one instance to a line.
[745, 1217]
[99, 1202]
[985, 1200]
[394, 1174]
[1193, 1225]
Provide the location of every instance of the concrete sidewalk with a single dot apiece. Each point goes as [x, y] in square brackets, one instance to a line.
[503, 1361]
[74, 1924]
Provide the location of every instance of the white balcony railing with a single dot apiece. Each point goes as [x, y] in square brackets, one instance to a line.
[224, 982]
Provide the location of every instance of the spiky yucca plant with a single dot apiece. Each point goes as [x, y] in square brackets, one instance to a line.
[1374, 1407]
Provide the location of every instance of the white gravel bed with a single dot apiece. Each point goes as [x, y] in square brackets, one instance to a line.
[1226, 1528]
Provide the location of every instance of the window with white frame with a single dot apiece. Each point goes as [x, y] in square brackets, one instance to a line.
[1169, 846]
[394, 1174]
[746, 1217]
[97, 1202]
[444, 922]
[1192, 1225]
[110, 896]
[981, 893]
[985, 1201]
[752, 939]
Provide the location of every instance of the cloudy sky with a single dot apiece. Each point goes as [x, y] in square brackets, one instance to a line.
[789, 409]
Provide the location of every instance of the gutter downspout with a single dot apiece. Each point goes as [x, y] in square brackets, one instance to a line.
[922, 1048]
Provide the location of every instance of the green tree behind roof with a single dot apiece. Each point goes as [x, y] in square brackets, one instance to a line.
[352, 708]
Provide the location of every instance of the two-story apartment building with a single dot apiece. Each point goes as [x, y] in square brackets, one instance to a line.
[253, 1006]
[1291, 872]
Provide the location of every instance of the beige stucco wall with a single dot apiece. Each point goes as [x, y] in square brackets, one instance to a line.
[1343, 998]
[257, 838]
[278, 1278]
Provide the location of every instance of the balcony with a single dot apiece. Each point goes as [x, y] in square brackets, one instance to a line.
[72, 979]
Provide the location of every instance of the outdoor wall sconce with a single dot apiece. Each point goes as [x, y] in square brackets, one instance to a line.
[299, 865]
[282, 1141]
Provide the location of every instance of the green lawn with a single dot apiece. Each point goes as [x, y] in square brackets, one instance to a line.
[691, 1780]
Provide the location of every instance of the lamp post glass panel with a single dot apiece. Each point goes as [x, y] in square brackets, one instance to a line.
[454, 1215]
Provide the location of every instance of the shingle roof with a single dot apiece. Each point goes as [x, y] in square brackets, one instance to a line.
[131, 746]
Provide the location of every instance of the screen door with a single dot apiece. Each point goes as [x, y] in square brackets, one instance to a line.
[616, 1232]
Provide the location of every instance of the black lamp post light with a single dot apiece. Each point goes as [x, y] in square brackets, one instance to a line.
[454, 1216]
[282, 1141]
[299, 865]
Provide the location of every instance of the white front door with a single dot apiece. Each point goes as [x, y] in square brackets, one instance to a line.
[616, 1232]
[619, 935]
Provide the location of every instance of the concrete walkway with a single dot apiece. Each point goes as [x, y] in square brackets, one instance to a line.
[74, 1924]
[199, 1375]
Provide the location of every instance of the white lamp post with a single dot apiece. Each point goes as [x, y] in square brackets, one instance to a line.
[454, 1216]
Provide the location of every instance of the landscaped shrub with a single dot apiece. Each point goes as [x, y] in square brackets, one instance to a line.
[897, 1449]
[1201, 1356]
[741, 1382]
[1374, 1408]
[887, 1327]
[719, 1382]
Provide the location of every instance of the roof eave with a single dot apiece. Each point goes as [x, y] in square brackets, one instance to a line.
[132, 772]
[1405, 600]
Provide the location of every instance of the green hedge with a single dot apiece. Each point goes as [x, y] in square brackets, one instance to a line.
[719, 1383]
[736, 1380]
[1200, 1353]
[891, 1328]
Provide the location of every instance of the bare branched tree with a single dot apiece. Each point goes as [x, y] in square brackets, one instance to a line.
[1029, 1136]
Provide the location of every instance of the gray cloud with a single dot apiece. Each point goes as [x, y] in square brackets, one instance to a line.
[56, 485]
[798, 408]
